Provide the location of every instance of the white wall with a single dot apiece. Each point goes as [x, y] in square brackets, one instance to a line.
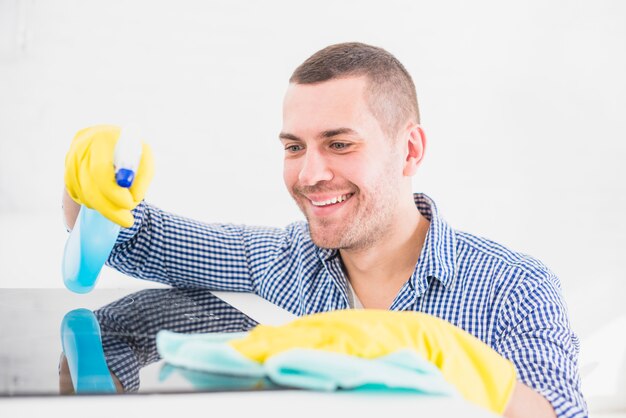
[523, 104]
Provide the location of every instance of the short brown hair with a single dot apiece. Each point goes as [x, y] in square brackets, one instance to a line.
[391, 93]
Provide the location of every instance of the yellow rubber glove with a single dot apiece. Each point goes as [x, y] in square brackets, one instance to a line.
[90, 175]
[478, 372]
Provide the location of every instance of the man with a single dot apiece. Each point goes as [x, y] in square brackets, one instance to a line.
[352, 141]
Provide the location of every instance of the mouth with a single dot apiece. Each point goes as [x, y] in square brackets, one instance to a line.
[332, 201]
[327, 205]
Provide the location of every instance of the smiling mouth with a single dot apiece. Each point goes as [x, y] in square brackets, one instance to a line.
[333, 201]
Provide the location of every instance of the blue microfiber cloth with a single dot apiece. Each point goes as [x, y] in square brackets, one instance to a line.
[212, 381]
[208, 352]
[403, 370]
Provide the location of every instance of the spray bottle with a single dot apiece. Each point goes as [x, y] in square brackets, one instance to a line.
[90, 242]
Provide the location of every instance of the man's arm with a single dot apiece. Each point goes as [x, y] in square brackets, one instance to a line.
[70, 210]
[538, 339]
[142, 254]
[129, 329]
[525, 402]
[144, 257]
[66, 387]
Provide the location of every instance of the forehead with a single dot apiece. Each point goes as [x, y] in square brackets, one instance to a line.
[328, 105]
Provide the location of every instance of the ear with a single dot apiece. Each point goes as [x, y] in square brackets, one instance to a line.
[415, 145]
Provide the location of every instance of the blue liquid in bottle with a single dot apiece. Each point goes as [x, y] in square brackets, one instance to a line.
[87, 249]
[82, 345]
[90, 243]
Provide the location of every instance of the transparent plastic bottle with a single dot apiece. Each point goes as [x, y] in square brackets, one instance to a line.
[90, 242]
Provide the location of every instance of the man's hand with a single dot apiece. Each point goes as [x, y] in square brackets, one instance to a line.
[66, 387]
[90, 175]
[526, 403]
[479, 373]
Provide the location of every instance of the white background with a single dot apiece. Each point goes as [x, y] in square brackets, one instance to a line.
[523, 103]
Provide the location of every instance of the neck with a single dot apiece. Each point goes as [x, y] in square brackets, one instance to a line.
[378, 272]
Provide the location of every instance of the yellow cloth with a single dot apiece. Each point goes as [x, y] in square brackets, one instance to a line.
[90, 174]
[479, 373]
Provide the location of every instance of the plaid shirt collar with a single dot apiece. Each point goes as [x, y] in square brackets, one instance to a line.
[438, 257]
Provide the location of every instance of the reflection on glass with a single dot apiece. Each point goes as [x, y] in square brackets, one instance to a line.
[82, 348]
[128, 328]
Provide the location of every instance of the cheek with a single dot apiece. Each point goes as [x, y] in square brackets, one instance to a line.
[290, 173]
[360, 171]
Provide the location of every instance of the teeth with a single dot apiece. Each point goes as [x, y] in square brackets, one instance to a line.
[336, 199]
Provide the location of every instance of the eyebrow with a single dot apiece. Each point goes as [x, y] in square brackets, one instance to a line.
[325, 134]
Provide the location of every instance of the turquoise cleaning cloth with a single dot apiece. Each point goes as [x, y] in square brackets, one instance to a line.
[403, 370]
[214, 381]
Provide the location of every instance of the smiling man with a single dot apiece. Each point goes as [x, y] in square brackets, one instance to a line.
[350, 173]
[352, 142]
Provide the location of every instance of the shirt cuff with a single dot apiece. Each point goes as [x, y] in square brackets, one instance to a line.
[122, 362]
[138, 213]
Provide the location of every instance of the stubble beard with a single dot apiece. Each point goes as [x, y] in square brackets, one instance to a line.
[366, 224]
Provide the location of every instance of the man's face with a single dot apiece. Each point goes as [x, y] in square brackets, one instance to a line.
[339, 167]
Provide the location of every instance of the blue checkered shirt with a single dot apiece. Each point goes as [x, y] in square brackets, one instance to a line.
[129, 326]
[510, 301]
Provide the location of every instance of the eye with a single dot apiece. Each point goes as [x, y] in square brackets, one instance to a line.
[339, 146]
[293, 148]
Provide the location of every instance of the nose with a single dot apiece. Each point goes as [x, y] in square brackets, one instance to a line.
[314, 169]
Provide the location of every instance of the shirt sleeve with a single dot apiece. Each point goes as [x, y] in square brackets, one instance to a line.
[181, 252]
[538, 339]
[129, 326]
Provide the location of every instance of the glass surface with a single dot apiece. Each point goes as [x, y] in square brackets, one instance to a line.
[31, 349]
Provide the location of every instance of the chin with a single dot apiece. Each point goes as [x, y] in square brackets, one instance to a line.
[325, 242]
